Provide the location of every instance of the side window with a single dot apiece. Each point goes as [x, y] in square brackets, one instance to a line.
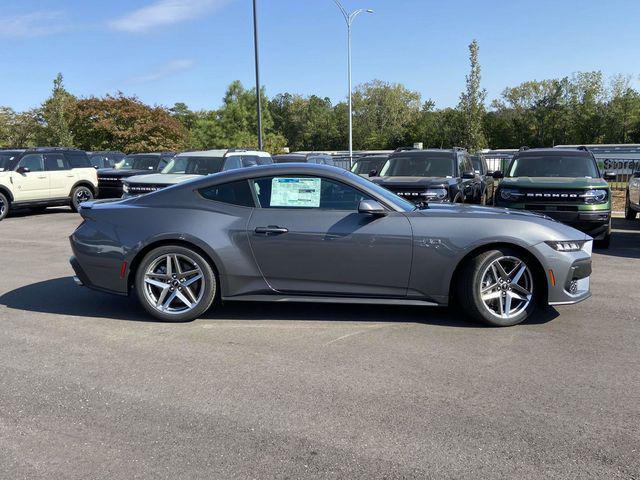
[32, 161]
[231, 163]
[78, 159]
[235, 193]
[306, 192]
[54, 162]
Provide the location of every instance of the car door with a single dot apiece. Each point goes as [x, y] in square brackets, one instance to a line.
[61, 178]
[31, 185]
[308, 238]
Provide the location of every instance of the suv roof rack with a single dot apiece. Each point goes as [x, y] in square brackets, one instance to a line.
[523, 148]
[405, 149]
[43, 149]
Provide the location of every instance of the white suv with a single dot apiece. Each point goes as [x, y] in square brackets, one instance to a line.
[46, 177]
[188, 165]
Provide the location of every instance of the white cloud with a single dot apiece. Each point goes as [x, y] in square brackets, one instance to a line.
[165, 12]
[170, 68]
[34, 24]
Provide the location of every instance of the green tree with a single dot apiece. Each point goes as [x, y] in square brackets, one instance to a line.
[472, 105]
[56, 116]
[384, 114]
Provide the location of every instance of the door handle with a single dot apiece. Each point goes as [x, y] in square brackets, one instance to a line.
[270, 230]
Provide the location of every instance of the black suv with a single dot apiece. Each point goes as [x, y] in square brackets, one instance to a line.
[369, 165]
[433, 175]
[110, 179]
[486, 176]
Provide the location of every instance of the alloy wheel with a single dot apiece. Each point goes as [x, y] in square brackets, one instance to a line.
[3, 207]
[506, 287]
[174, 284]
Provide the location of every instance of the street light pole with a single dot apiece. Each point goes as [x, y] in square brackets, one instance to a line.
[349, 18]
[257, 58]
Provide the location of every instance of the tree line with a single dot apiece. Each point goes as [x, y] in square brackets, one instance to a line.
[578, 109]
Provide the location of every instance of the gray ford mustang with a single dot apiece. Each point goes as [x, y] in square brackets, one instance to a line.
[300, 232]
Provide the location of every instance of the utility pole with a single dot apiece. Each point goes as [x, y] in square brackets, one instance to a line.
[257, 59]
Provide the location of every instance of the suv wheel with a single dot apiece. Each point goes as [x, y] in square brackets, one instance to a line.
[175, 284]
[498, 287]
[80, 194]
[629, 213]
[4, 206]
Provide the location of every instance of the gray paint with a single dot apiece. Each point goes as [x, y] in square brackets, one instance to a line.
[408, 255]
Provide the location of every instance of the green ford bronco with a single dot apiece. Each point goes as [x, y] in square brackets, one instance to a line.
[565, 184]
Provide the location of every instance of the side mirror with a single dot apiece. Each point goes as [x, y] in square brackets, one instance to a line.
[22, 170]
[373, 173]
[609, 176]
[371, 207]
[497, 175]
[468, 175]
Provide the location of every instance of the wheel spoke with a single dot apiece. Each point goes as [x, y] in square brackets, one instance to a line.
[190, 294]
[507, 303]
[192, 280]
[162, 296]
[491, 296]
[503, 274]
[518, 275]
[188, 273]
[177, 264]
[166, 304]
[183, 299]
[521, 290]
[516, 296]
[489, 288]
[156, 283]
[169, 267]
[500, 305]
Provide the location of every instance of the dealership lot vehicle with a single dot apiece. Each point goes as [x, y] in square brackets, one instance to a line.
[110, 179]
[316, 158]
[566, 185]
[369, 165]
[307, 390]
[190, 165]
[44, 177]
[632, 197]
[433, 175]
[486, 176]
[299, 232]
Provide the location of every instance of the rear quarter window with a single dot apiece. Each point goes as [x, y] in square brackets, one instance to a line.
[233, 193]
[78, 160]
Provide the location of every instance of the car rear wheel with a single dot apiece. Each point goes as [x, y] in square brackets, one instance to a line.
[629, 213]
[4, 206]
[80, 194]
[175, 284]
[498, 287]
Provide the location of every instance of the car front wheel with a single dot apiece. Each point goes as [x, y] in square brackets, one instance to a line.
[175, 284]
[4, 206]
[498, 287]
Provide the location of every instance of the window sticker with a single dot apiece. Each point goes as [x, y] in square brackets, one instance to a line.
[295, 192]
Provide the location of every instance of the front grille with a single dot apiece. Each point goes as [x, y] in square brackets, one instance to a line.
[142, 189]
[553, 196]
[108, 179]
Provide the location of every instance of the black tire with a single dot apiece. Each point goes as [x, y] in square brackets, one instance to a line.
[469, 288]
[206, 296]
[629, 213]
[4, 206]
[80, 194]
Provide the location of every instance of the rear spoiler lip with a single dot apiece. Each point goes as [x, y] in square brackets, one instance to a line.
[89, 205]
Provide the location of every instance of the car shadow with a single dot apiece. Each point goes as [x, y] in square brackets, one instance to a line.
[29, 212]
[60, 296]
[625, 239]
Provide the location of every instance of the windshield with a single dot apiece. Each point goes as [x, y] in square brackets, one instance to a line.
[194, 165]
[366, 165]
[553, 166]
[5, 158]
[438, 165]
[137, 162]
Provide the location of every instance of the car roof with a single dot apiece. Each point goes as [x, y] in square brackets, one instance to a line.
[223, 152]
[425, 152]
[552, 151]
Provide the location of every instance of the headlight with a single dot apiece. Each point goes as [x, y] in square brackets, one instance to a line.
[595, 196]
[125, 187]
[567, 246]
[510, 194]
[437, 194]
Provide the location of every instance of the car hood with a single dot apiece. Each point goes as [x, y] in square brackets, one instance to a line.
[119, 173]
[554, 182]
[498, 215]
[408, 182]
[161, 178]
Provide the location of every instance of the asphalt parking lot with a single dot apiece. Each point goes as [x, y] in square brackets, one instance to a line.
[90, 387]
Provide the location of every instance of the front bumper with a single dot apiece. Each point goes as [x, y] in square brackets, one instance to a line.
[110, 190]
[594, 223]
[568, 274]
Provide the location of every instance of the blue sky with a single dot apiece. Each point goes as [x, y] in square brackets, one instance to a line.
[166, 51]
